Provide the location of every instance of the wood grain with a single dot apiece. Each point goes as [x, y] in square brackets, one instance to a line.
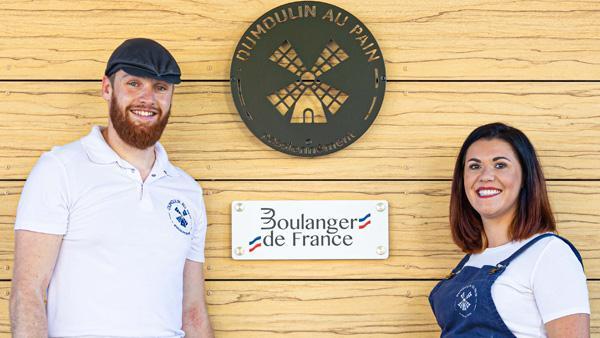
[466, 39]
[4, 315]
[406, 157]
[416, 135]
[321, 309]
[420, 244]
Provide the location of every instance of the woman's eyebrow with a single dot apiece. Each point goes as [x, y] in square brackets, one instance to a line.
[474, 160]
[501, 158]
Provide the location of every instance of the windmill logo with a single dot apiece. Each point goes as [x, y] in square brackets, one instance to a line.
[466, 300]
[300, 95]
[308, 78]
[180, 216]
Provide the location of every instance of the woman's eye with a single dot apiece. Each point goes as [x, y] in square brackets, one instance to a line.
[500, 165]
[473, 166]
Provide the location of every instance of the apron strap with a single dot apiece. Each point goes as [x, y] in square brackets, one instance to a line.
[460, 265]
[507, 261]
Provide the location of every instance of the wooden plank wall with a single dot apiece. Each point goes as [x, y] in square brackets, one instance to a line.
[451, 66]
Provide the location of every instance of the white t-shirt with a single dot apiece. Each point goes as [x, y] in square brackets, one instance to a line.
[119, 271]
[544, 283]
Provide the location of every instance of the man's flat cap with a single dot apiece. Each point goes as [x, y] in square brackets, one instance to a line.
[144, 57]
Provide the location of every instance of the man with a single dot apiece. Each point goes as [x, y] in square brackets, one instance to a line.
[108, 226]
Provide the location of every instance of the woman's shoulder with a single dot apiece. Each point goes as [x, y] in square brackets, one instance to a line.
[558, 281]
[548, 261]
[546, 251]
[554, 253]
[543, 249]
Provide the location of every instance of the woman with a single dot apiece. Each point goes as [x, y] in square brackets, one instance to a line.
[518, 278]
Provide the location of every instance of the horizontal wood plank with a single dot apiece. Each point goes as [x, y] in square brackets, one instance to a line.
[366, 309]
[4, 315]
[416, 135]
[420, 243]
[466, 39]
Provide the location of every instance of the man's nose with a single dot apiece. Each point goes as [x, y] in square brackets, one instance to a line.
[147, 95]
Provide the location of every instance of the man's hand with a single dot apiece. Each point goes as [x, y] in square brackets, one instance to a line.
[35, 257]
[196, 323]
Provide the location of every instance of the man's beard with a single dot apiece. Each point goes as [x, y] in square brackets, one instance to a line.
[140, 136]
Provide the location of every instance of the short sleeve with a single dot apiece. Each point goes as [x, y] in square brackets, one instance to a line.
[196, 252]
[43, 206]
[559, 282]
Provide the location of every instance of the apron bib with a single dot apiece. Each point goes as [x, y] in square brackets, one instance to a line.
[462, 302]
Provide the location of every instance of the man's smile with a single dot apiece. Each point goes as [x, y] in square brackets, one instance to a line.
[143, 112]
[146, 115]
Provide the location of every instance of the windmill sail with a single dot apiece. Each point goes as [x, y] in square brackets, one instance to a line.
[286, 98]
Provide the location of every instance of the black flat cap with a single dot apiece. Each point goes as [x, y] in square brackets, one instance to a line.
[144, 57]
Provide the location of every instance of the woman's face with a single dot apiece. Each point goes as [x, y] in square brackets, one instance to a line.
[492, 179]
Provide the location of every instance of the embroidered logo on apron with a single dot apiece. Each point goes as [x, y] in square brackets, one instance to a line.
[466, 301]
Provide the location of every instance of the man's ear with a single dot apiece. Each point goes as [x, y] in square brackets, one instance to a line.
[106, 88]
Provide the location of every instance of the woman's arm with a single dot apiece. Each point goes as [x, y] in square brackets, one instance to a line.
[561, 293]
[572, 326]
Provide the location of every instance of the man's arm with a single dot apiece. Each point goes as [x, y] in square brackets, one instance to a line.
[35, 257]
[196, 323]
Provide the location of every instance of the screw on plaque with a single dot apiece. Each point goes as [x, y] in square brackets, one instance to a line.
[380, 250]
[380, 206]
[239, 251]
[239, 207]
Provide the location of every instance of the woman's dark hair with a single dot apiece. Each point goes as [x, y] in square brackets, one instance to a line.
[534, 214]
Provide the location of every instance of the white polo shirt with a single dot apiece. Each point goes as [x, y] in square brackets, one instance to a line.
[120, 267]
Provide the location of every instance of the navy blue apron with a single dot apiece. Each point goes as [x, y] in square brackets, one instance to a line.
[463, 304]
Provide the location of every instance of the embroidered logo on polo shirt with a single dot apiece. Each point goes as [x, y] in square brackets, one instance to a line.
[466, 301]
[180, 216]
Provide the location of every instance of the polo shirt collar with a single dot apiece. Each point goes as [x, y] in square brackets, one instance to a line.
[163, 161]
[100, 152]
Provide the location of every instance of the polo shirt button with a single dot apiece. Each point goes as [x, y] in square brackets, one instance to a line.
[153, 175]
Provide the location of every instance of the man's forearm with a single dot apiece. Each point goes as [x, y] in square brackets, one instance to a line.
[27, 314]
[197, 325]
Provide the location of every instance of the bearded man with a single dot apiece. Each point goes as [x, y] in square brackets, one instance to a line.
[107, 228]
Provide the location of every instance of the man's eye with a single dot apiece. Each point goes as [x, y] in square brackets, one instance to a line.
[133, 83]
[162, 88]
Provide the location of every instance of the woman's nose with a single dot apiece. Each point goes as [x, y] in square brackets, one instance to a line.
[488, 174]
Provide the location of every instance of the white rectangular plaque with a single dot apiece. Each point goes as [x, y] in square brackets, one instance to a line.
[269, 230]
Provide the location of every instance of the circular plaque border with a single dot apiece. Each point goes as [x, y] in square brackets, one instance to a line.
[362, 102]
